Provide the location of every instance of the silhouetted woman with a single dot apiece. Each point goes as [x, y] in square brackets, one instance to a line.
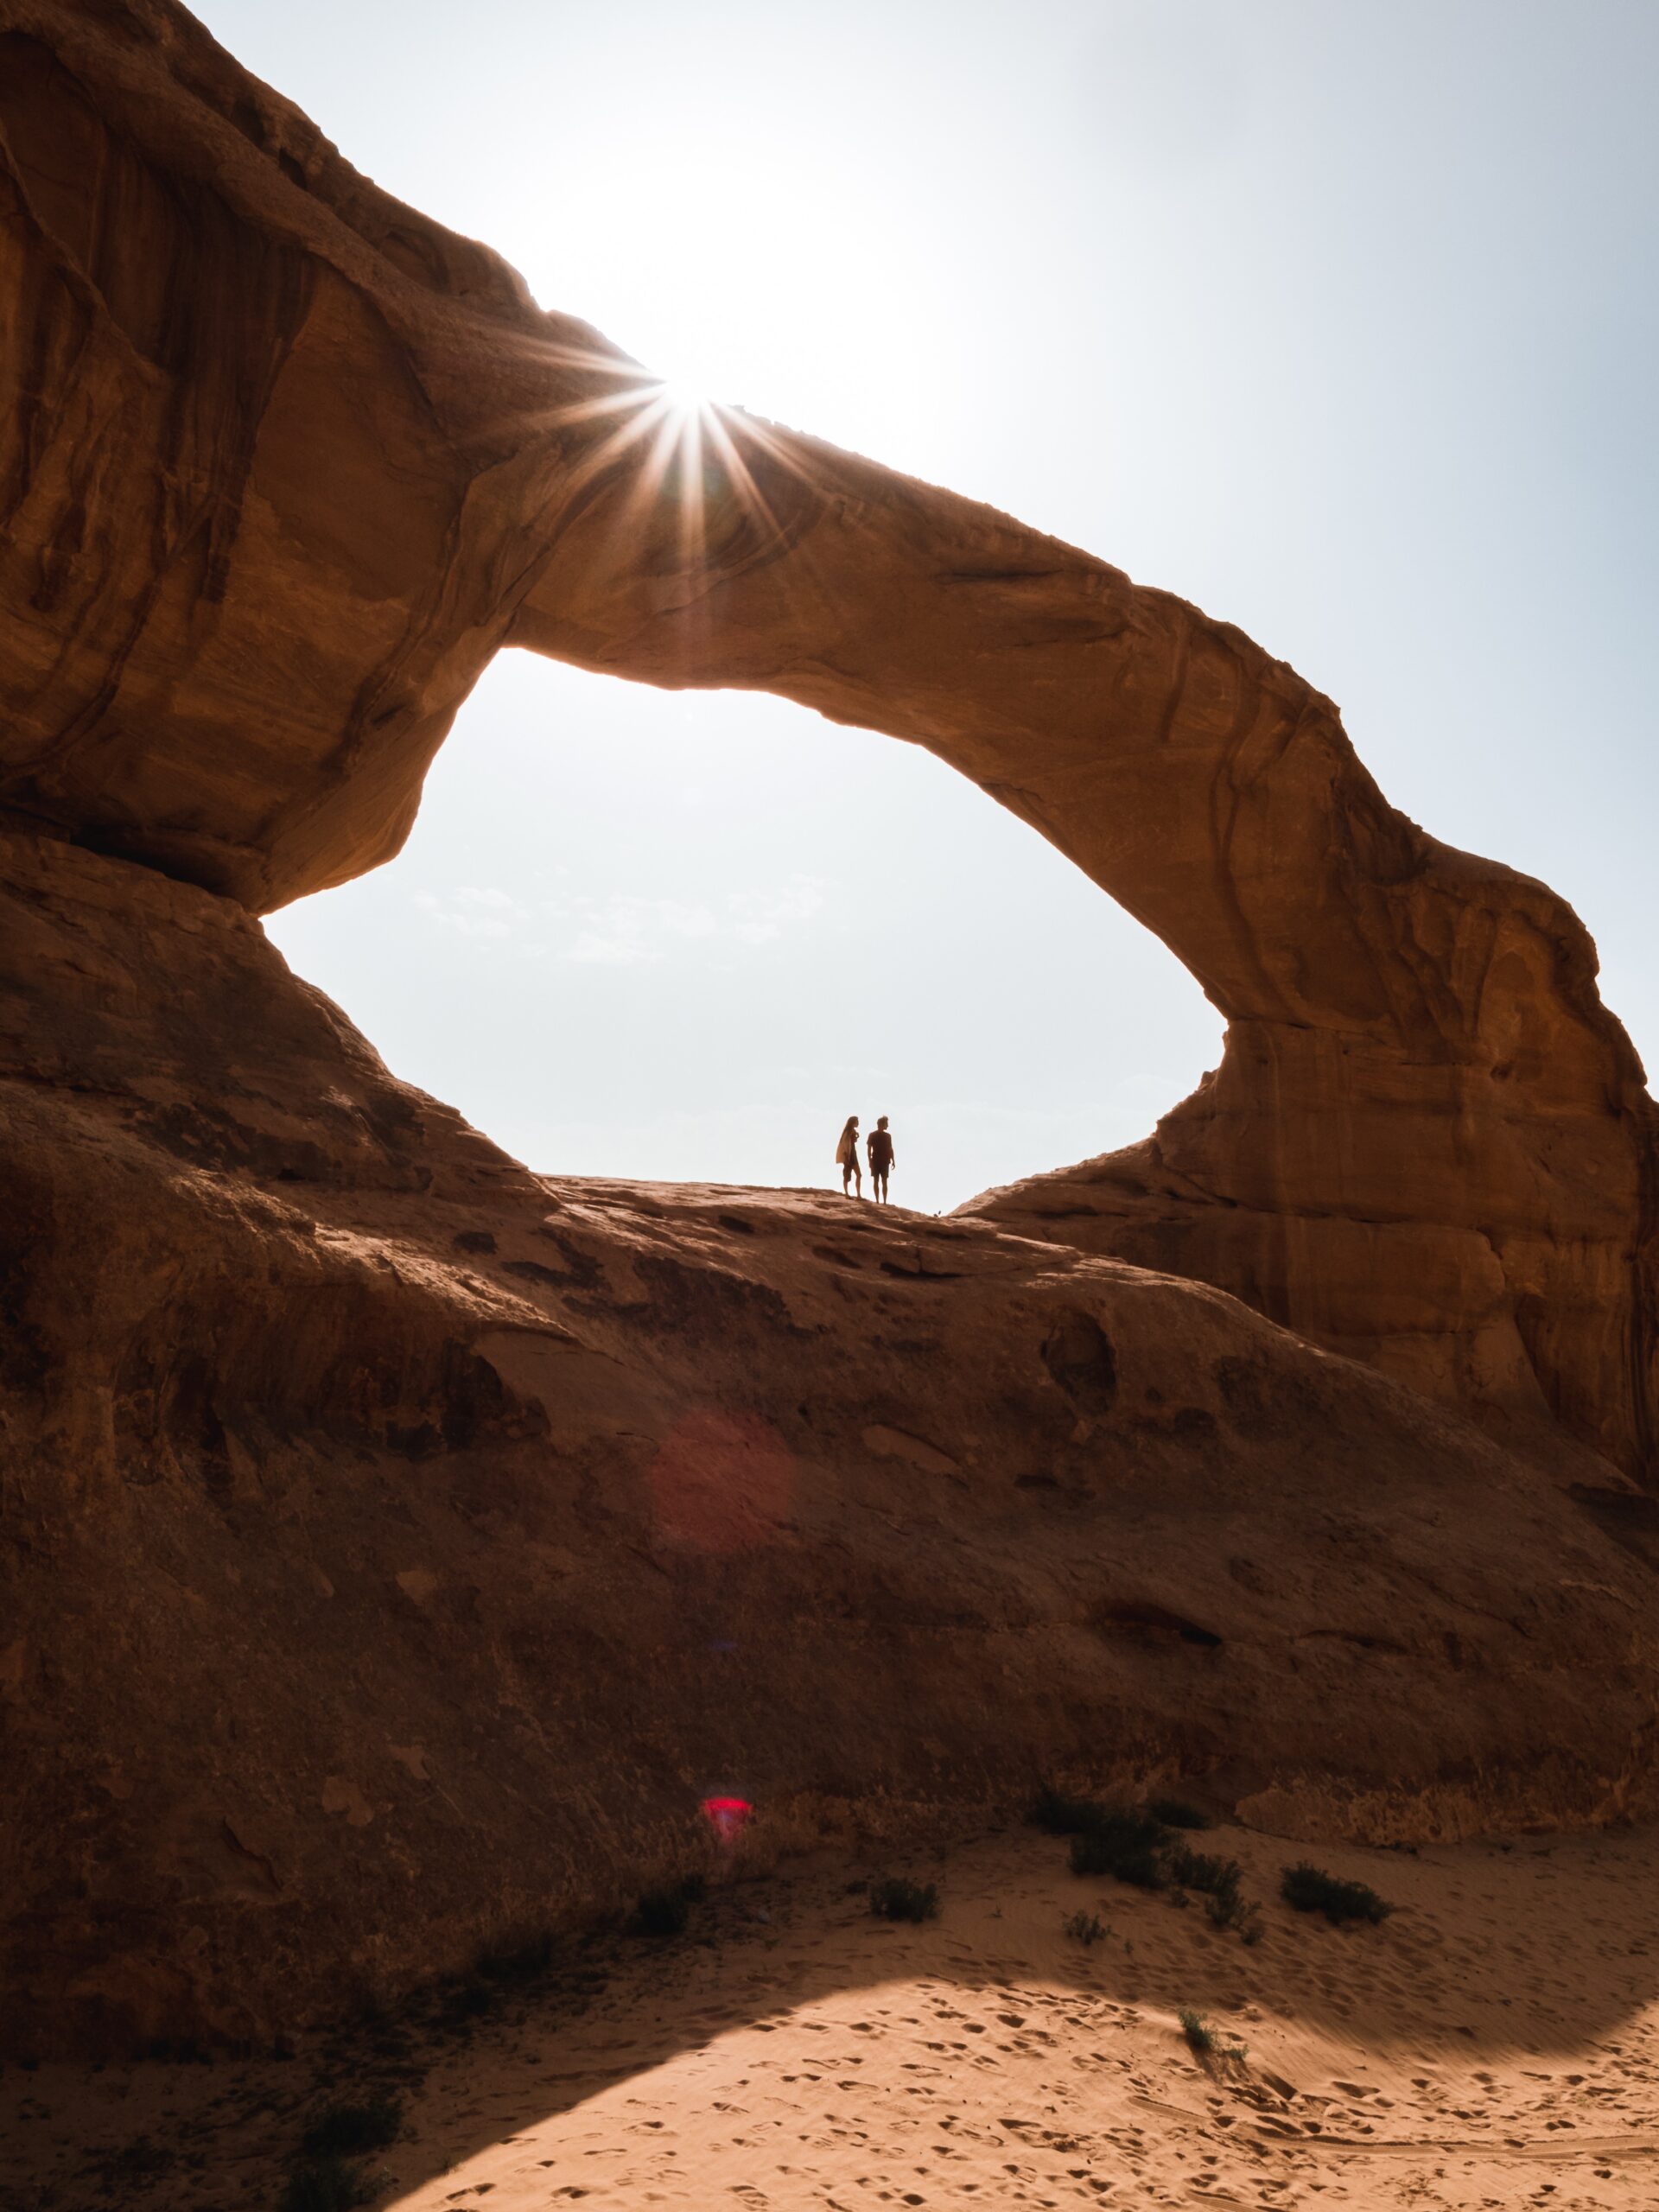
[847, 1157]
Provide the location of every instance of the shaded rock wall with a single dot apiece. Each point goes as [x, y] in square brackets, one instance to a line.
[398, 1546]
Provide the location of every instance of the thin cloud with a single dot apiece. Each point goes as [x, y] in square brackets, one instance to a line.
[627, 930]
[474, 911]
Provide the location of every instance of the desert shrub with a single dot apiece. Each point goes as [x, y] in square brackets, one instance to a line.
[1176, 1812]
[1084, 1928]
[1195, 1869]
[897, 1899]
[1200, 2036]
[1217, 1880]
[666, 1910]
[1309, 1888]
[1056, 1814]
[329, 2185]
[343, 2131]
[662, 1912]
[1234, 1913]
[1122, 1841]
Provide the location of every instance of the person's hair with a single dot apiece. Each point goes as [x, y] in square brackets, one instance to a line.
[850, 1122]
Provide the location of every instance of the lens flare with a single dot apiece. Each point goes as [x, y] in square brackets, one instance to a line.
[728, 1816]
[701, 483]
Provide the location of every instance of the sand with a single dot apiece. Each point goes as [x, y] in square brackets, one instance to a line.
[1494, 2044]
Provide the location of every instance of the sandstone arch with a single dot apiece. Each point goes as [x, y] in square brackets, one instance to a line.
[284, 464]
[342, 1622]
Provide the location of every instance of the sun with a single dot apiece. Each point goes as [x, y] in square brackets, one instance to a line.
[683, 456]
[681, 400]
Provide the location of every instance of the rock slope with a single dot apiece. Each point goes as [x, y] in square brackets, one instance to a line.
[401, 1547]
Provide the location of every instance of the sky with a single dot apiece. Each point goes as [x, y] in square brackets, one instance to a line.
[1339, 319]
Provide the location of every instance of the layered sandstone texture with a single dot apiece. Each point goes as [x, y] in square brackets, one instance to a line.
[282, 464]
[400, 1547]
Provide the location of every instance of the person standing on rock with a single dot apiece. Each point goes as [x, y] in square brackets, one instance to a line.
[847, 1157]
[881, 1158]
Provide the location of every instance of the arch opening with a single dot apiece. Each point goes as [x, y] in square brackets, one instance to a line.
[682, 934]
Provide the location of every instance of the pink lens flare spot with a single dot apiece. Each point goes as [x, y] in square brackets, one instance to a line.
[728, 1816]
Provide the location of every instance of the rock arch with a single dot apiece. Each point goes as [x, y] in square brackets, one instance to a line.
[282, 464]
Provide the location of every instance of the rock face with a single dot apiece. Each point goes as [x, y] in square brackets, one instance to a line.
[399, 1545]
[1466, 1198]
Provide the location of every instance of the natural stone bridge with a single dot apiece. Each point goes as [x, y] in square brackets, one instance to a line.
[284, 464]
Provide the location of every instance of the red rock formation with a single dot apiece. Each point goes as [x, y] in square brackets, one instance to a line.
[379, 1516]
[399, 1546]
[284, 464]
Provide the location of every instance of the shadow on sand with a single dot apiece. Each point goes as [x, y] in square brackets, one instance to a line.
[786, 2020]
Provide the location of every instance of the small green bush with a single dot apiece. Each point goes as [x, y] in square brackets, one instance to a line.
[1122, 1841]
[1176, 1812]
[1056, 1814]
[1234, 1913]
[1217, 1880]
[897, 1899]
[1308, 1889]
[1200, 2036]
[1196, 1870]
[1084, 1928]
[346, 2130]
[663, 1912]
[329, 2185]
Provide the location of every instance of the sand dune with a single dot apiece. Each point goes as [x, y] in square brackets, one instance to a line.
[1494, 2044]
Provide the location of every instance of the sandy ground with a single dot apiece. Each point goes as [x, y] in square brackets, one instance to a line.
[1495, 2044]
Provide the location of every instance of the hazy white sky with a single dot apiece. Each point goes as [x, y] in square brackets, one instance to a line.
[1337, 316]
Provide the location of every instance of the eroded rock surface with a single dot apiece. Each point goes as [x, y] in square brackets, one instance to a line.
[399, 1546]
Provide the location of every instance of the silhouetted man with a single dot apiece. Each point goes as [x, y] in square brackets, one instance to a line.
[881, 1156]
